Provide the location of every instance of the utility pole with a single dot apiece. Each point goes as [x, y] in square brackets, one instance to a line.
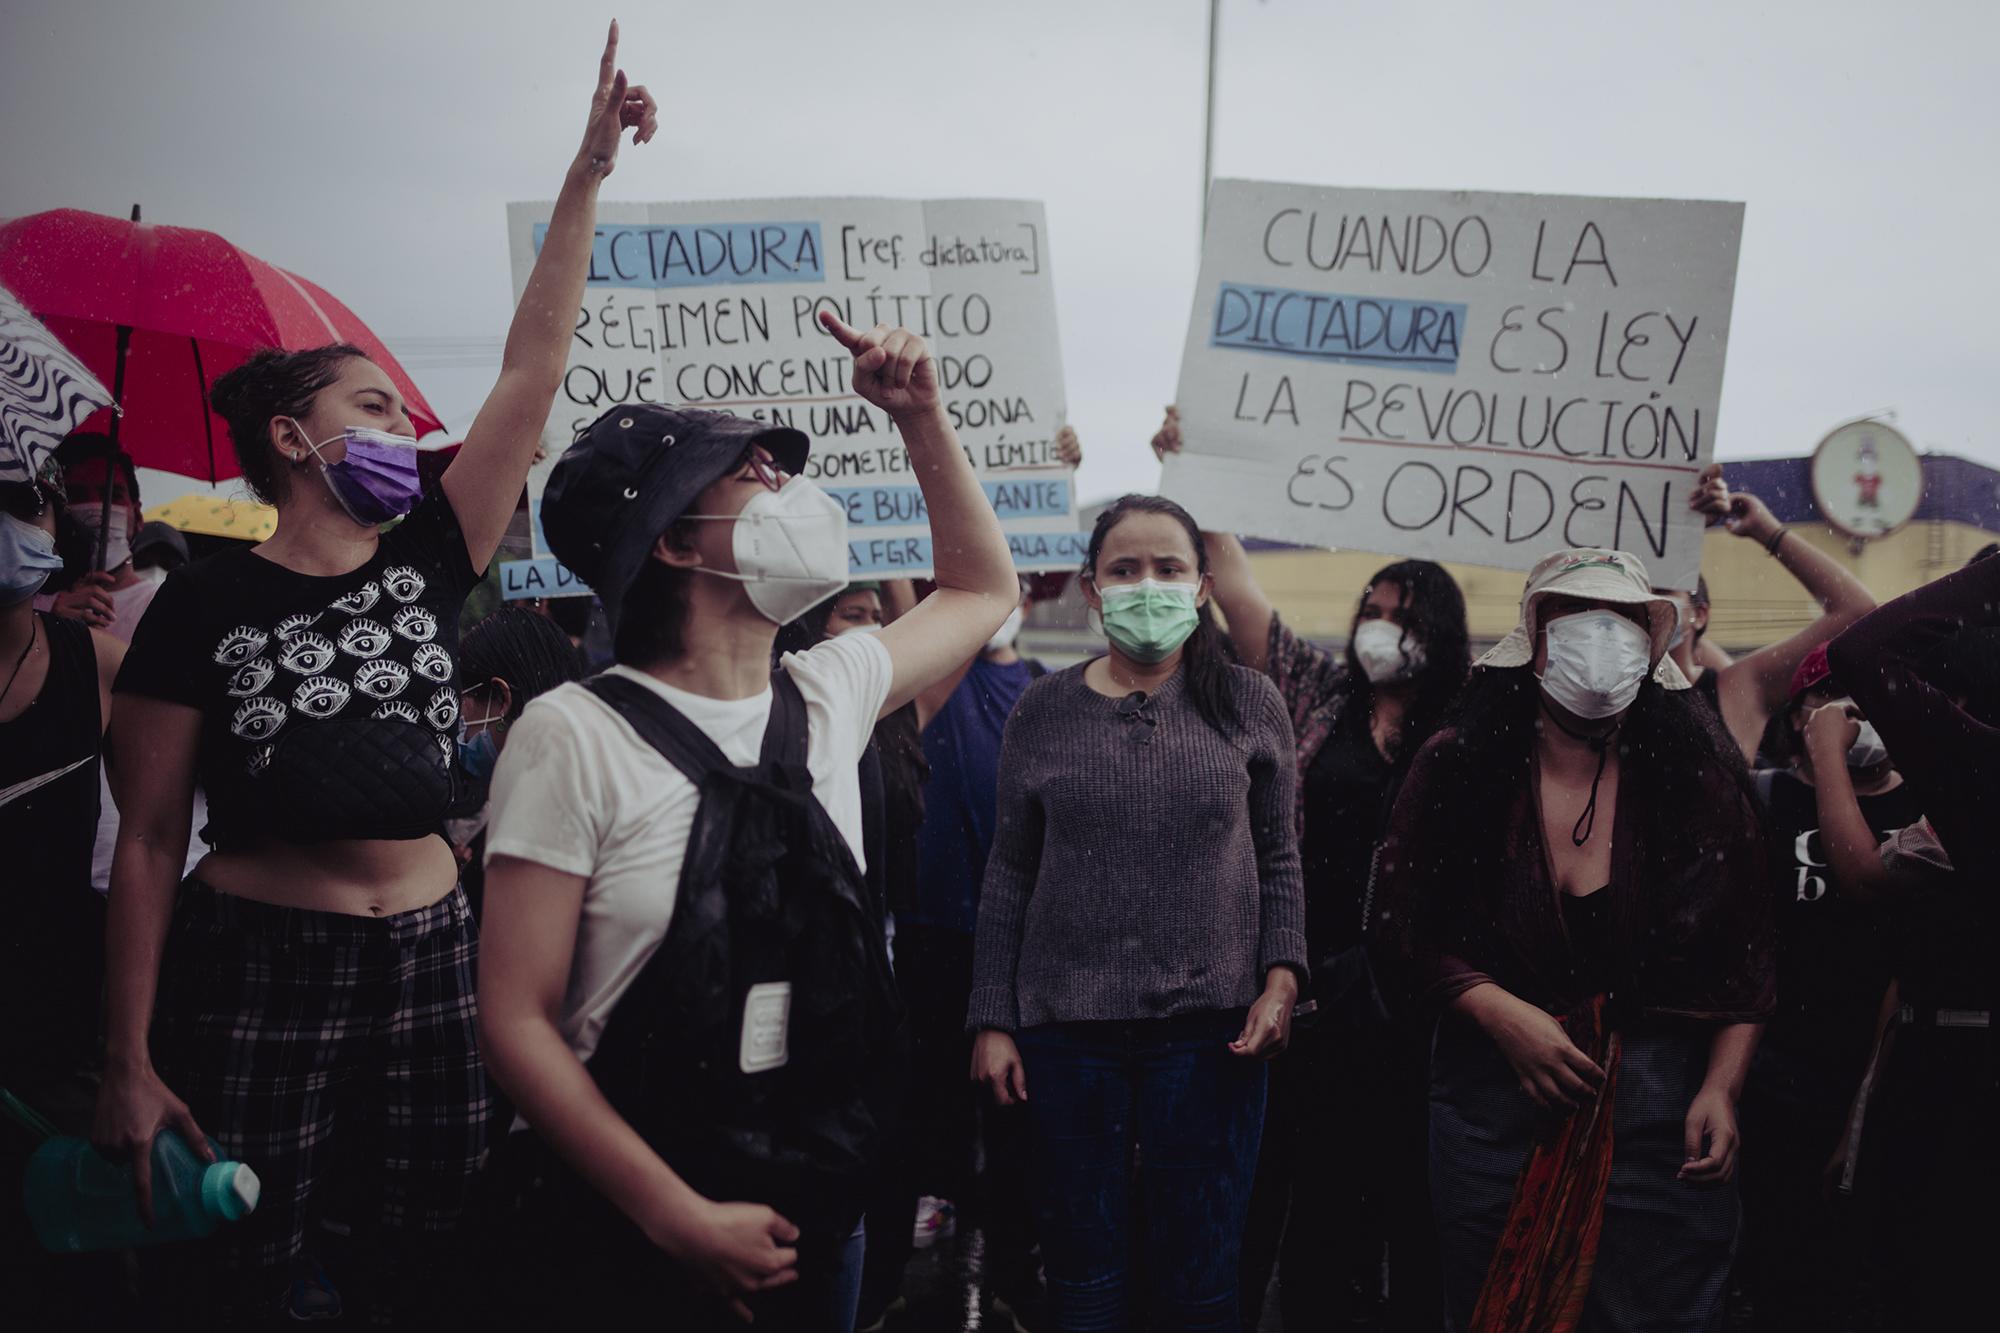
[1208, 131]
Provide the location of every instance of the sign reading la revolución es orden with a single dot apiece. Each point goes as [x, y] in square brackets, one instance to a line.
[1465, 376]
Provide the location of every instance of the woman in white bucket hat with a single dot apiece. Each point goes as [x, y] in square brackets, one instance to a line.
[1573, 878]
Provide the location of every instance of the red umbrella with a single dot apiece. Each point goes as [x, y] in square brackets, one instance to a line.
[191, 306]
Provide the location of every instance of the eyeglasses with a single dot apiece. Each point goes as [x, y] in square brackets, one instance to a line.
[758, 461]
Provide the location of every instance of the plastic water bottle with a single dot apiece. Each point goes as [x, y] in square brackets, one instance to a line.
[78, 1199]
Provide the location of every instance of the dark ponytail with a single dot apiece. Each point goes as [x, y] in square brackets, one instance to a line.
[273, 384]
[1205, 658]
[522, 647]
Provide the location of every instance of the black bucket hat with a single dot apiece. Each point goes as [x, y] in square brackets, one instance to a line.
[632, 472]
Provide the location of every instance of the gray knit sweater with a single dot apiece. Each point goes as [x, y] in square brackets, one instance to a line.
[1144, 864]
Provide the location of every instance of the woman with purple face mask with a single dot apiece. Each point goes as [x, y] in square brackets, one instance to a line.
[323, 949]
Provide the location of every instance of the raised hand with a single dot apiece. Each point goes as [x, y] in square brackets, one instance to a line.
[616, 107]
[1069, 449]
[1167, 439]
[892, 367]
[1739, 511]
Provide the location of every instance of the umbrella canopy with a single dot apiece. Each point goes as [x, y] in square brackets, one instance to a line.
[45, 393]
[217, 516]
[196, 307]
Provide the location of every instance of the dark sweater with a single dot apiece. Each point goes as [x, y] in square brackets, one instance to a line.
[1144, 864]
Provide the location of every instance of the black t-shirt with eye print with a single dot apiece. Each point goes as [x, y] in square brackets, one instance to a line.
[329, 703]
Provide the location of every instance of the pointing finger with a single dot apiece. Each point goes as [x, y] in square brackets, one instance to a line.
[608, 65]
[844, 333]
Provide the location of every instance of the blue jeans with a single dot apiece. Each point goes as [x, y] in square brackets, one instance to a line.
[844, 1295]
[1195, 1113]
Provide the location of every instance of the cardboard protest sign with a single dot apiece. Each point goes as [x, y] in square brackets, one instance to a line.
[1473, 377]
[716, 305]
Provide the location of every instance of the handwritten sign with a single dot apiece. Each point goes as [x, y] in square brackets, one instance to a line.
[716, 305]
[1474, 377]
[544, 577]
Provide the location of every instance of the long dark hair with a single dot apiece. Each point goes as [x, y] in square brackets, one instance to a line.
[1433, 616]
[273, 384]
[1205, 658]
[1673, 756]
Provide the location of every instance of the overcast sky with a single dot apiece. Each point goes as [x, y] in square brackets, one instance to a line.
[372, 146]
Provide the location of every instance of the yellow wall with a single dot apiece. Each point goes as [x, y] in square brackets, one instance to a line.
[1755, 601]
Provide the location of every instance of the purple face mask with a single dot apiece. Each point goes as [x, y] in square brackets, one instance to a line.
[377, 479]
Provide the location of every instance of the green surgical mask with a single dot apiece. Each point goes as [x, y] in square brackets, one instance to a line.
[1149, 620]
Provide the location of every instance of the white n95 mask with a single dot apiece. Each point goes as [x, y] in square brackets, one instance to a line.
[1384, 657]
[790, 547]
[1597, 662]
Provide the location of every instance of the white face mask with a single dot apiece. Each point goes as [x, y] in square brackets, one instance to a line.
[1010, 629]
[1597, 662]
[1383, 654]
[118, 544]
[790, 547]
[1867, 751]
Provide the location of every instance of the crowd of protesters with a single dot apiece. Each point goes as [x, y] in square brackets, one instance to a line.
[1601, 982]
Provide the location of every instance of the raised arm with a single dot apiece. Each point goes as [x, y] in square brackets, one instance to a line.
[153, 784]
[484, 482]
[1853, 852]
[1755, 687]
[1245, 608]
[974, 573]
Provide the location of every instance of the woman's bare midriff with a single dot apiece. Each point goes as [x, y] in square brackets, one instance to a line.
[373, 877]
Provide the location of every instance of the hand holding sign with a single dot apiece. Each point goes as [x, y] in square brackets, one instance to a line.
[892, 367]
[1739, 511]
[615, 108]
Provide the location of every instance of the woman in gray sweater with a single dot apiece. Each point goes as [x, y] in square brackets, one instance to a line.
[1140, 940]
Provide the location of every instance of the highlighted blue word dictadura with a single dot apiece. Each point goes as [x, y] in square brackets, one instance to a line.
[703, 255]
[1323, 326]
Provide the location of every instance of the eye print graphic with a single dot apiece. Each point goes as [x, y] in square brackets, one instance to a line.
[308, 654]
[447, 749]
[432, 663]
[363, 597]
[443, 709]
[364, 638]
[293, 626]
[400, 711]
[416, 624]
[405, 584]
[322, 696]
[382, 680]
[251, 677]
[259, 759]
[240, 645]
[257, 719]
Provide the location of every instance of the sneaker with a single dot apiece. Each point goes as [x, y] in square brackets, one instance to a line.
[312, 1298]
[937, 1219]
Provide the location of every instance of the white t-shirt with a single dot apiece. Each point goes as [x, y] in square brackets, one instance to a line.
[577, 790]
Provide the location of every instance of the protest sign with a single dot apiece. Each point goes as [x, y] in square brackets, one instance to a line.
[544, 577]
[1474, 377]
[716, 305]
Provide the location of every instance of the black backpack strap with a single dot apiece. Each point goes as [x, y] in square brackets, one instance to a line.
[662, 726]
[785, 734]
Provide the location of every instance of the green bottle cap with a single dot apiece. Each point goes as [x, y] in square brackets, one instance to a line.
[229, 1191]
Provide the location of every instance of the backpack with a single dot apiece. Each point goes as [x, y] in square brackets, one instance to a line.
[761, 1051]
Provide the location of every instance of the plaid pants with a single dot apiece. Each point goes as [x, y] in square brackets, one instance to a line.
[270, 1018]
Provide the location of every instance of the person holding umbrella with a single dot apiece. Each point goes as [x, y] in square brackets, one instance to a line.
[322, 952]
